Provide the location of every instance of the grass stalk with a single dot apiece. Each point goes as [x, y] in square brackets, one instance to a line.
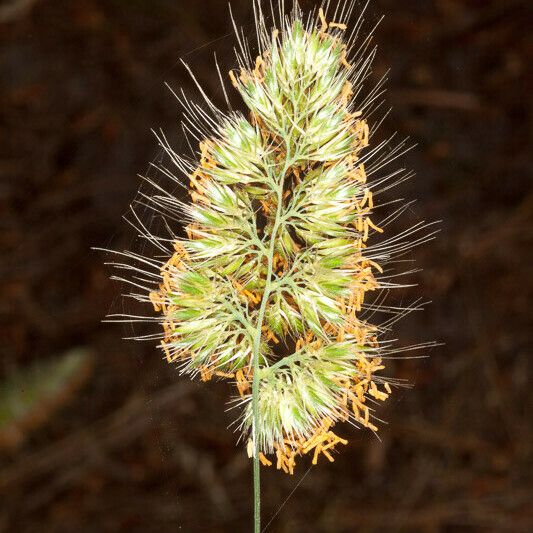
[256, 351]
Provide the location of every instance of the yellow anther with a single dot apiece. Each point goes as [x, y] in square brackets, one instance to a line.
[373, 226]
[155, 299]
[221, 374]
[344, 61]
[233, 79]
[264, 460]
[323, 20]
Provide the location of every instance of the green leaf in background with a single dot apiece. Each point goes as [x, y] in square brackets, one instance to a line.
[30, 396]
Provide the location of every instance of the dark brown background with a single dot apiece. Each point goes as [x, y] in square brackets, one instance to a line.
[139, 449]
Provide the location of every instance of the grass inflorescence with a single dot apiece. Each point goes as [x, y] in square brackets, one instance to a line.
[268, 286]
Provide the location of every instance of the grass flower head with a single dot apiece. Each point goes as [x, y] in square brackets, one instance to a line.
[268, 285]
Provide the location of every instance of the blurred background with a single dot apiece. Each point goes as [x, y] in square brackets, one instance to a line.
[99, 434]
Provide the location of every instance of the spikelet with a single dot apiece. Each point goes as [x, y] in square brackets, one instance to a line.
[268, 287]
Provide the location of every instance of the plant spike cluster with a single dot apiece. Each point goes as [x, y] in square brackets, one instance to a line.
[267, 289]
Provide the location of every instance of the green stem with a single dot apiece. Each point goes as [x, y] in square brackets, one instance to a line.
[256, 352]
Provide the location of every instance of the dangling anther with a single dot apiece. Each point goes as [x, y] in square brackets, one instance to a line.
[233, 79]
[344, 61]
[259, 68]
[155, 299]
[338, 25]
[323, 20]
[264, 460]
[199, 198]
[346, 92]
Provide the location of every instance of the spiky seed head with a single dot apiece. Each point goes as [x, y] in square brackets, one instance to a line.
[278, 234]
